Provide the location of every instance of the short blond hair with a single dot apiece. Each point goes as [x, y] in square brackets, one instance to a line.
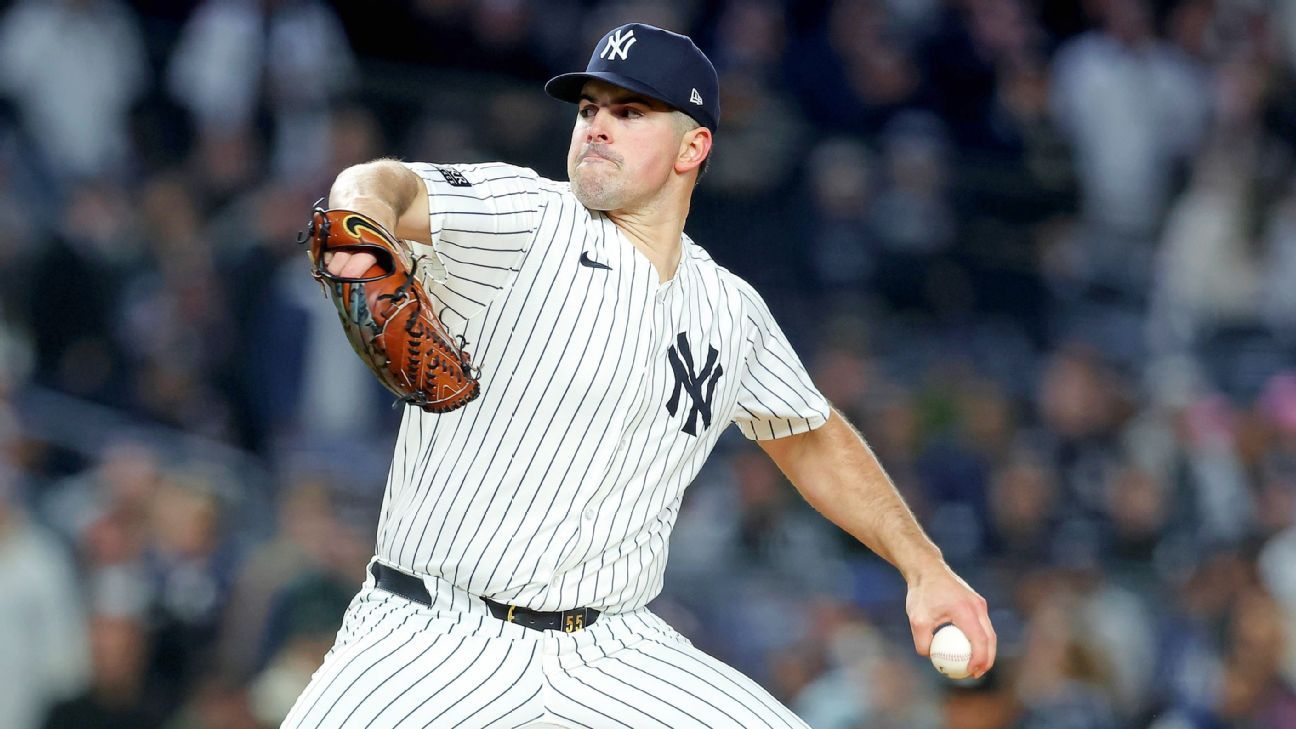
[684, 122]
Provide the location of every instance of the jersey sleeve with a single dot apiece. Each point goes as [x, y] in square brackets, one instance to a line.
[482, 221]
[776, 397]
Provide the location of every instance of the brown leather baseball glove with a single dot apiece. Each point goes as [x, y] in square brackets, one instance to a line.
[387, 315]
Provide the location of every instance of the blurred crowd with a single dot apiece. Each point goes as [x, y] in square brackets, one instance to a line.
[1042, 252]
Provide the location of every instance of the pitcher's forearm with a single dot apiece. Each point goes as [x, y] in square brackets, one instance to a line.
[835, 470]
[383, 189]
[838, 474]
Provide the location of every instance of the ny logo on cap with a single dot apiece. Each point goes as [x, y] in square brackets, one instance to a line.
[618, 45]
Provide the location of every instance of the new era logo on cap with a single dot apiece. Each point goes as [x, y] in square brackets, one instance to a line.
[665, 66]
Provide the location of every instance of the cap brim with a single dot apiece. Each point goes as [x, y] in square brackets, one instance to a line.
[567, 87]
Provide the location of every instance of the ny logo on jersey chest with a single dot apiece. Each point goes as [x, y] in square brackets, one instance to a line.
[700, 385]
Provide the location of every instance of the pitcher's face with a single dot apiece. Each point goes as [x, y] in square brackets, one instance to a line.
[623, 147]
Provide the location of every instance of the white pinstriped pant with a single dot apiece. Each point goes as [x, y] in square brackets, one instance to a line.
[398, 663]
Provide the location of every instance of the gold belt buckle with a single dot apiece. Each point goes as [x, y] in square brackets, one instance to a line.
[573, 622]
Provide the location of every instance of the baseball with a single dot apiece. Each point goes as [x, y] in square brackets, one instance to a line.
[951, 651]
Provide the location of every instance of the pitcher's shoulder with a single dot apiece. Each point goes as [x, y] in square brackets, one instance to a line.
[717, 275]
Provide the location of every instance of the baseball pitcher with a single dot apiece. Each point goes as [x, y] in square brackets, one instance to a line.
[569, 358]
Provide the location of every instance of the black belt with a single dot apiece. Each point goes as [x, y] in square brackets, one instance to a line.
[412, 588]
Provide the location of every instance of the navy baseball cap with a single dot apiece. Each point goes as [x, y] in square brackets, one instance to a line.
[660, 64]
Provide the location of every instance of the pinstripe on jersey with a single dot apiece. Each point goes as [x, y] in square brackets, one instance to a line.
[559, 486]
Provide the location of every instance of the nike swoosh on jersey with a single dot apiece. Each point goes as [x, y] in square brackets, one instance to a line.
[585, 260]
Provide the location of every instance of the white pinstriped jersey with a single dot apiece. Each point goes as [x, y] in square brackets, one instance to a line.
[603, 391]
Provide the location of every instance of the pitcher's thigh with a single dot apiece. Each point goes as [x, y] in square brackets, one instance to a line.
[659, 682]
[399, 675]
